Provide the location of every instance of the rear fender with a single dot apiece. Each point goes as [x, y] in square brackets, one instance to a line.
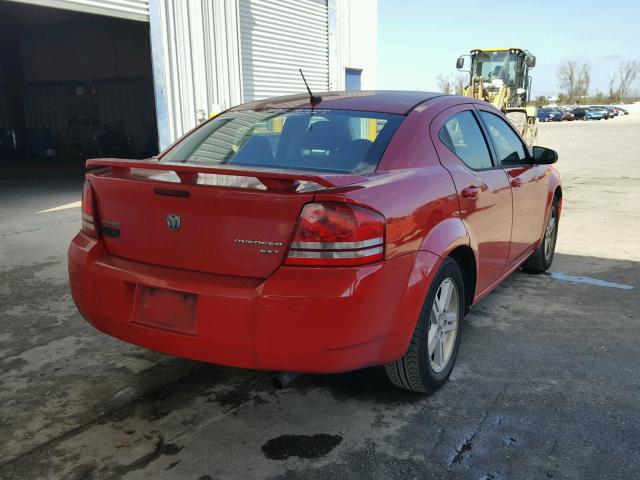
[436, 246]
[450, 234]
[447, 236]
[425, 265]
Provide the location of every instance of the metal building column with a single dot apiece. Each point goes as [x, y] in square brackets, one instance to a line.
[335, 70]
[196, 62]
[159, 74]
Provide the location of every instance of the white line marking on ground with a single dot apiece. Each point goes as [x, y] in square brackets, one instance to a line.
[61, 207]
[589, 281]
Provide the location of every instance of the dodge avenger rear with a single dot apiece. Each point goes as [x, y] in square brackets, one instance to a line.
[329, 236]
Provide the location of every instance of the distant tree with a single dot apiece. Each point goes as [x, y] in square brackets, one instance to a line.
[612, 89]
[460, 83]
[444, 83]
[584, 80]
[621, 83]
[541, 101]
[574, 78]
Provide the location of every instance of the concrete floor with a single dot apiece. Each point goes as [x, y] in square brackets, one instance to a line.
[547, 383]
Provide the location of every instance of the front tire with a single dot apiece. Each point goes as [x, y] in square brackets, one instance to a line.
[519, 120]
[542, 258]
[433, 349]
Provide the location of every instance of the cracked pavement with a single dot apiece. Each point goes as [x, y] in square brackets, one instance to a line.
[547, 383]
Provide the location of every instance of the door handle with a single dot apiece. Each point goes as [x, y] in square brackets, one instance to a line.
[470, 192]
[516, 182]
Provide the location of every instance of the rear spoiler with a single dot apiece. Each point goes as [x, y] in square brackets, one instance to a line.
[273, 179]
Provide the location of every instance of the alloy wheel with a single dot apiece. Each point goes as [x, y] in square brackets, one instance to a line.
[443, 327]
[549, 234]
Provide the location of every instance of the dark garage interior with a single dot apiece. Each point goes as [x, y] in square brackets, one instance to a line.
[72, 86]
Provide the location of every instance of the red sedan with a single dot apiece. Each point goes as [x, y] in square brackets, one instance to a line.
[292, 236]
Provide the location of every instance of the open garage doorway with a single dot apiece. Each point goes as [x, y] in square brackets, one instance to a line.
[72, 86]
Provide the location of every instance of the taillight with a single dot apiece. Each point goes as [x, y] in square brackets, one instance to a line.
[333, 234]
[89, 213]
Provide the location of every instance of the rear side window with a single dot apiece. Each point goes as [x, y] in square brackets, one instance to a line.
[319, 140]
[462, 135]
[509, 147]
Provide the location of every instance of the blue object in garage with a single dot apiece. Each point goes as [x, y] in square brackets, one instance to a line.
[352, 79]
[40, 143]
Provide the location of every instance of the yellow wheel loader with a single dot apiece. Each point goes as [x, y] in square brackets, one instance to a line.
[501, 77]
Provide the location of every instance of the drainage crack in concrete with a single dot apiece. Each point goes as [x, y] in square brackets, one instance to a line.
[467, 445]
[21, 231]
[161, 448]
[45, 225]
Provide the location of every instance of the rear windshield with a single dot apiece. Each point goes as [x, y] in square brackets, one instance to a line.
[342, 141]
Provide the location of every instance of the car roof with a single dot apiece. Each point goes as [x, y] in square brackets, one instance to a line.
[387, 101]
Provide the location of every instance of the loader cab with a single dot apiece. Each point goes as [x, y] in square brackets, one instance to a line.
[502, 67]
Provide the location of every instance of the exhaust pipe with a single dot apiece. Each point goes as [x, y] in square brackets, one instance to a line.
[281, 380]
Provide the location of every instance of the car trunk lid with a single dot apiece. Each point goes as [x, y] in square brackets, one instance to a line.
[223, 220]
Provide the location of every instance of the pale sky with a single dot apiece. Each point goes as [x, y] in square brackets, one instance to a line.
[417, 40]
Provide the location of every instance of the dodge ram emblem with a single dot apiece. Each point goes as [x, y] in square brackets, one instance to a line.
[173, 222]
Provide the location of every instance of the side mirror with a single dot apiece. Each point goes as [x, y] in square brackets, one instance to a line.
[531, 61]
[460, 63]
[544, 156]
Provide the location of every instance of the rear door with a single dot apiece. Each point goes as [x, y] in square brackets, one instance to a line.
[528, 182]
[483, 189]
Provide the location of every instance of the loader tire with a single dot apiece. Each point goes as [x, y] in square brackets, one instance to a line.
[519, 120]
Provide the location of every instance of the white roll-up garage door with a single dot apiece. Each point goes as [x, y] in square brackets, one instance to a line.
[278, 38]
[129, 9]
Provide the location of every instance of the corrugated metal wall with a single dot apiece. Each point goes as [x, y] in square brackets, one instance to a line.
[129, 9]
[209, 55]
[196, 62]
[278, 38]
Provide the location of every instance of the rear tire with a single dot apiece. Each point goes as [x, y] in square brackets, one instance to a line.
[425, 367]
[541, 259]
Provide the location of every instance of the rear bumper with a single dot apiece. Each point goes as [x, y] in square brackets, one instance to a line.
[298, 319]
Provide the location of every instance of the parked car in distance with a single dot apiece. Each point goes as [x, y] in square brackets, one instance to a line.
[544, 114]
[549, 115]
[606, 114]
[594, 114]
[623, 111]
[579, 113]
[298, 235]
[567, 115]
